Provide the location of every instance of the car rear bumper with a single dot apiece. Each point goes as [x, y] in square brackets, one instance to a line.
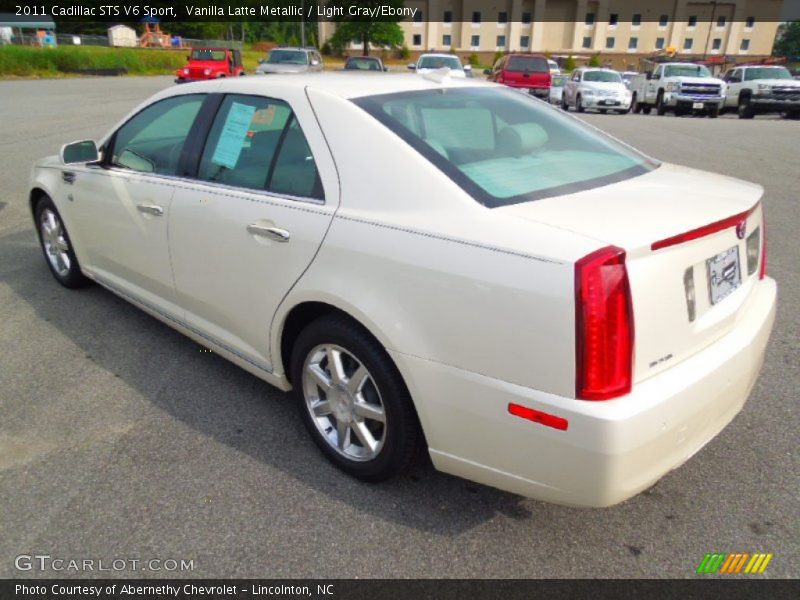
[611, 450]
[539, 92]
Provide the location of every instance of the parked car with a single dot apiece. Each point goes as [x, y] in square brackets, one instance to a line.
[290, 60]
[432, 62]
[627, 76]
[364, 63]
[761, 89]
[596, 89]
[680, 87]
[527, 72]
[546, 309]
[553, 66]
[210, 63]
[557, 89]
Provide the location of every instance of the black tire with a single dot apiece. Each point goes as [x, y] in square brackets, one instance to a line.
[636, 108]
[646, 108]
[661, 108]
[401, 431]
[713, 112]
[745, 108]
[564, 105]
[71, 277]
[603, 111]
[579, 104]
[623, 112]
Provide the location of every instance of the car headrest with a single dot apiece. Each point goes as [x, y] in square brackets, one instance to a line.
[524, 138]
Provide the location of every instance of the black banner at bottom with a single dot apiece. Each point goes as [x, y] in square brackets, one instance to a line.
[383, 589]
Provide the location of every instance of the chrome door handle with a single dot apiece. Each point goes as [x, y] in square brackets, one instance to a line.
[273, 233]
[150, 209]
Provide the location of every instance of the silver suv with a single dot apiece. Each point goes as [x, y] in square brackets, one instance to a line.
[290, 60]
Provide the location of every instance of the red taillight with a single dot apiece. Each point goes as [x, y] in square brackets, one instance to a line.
[603, 326]
[762, 271]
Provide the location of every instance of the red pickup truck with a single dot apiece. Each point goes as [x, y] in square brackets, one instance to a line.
[210, 63]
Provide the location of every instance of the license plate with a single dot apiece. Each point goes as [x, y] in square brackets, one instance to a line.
[724, 274]
[697, 105]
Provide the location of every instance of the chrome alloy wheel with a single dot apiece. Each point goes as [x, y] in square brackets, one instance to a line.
[55, 242]
[344, 402]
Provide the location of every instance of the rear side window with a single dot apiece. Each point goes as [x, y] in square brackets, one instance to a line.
[503, 147]
[533, 64]
[152, 141]
[257, 143]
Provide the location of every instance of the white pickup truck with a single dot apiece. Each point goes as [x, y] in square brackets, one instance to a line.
[680, 87]
[758, 89]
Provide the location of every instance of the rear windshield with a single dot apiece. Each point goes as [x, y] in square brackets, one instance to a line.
[528, 63]
[503, 147]
[437, 62]
[605, 76]
[766, 73]
[208, 54]
[362, 64]
[287, 57]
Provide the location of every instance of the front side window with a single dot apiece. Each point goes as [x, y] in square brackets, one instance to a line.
[152, 141]
[256, 143]
[503, 147]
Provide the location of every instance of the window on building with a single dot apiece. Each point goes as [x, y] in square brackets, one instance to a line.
[636, 20]
[475, 41]
[688, 43]
[447, 40]
[476, 16]
[418, 16]
[526, 18]
[613, 18]
[447, 17]
[745, 45]
[502, 17]
[721, 21]
[501, 41]
[716, 44]
[610, 42]
[589, 19]
[417, 39]
[750, 22]
[587, 42]
[659, 43]
[633, 43]
[524, 41]
[693, 21]
[663, 20]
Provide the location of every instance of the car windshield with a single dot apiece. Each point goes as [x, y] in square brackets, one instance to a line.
[766, 73]
[521, 64]
[437, 62]
[503, 147]
[604, 76]
[686, 71]
[287, 57]
[208, 54]
[558, 81]
[362, 64]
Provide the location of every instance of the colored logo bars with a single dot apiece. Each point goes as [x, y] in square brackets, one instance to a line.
[721, 562]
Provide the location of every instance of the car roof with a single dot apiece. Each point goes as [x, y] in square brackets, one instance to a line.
[345, 84]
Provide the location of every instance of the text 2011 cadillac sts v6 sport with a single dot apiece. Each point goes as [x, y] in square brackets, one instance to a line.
[445, 263]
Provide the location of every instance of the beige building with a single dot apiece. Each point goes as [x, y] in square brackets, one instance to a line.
[621, 31]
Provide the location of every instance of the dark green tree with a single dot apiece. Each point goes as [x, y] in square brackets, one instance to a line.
[368, 31]
[788, 43]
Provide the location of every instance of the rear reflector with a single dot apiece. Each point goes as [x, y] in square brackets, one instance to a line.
[538, 416]
[762, 272]
[603, 326]
[703, 231]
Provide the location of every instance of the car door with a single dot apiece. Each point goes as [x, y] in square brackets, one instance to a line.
[653, 85]
[121, 206]
[735, 85]
[251, 221]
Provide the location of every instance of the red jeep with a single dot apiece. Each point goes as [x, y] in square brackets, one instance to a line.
[526, 72]
[210, 63]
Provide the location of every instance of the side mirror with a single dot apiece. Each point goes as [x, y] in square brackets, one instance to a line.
[467, 67]
[79, 152]
[261, 61]
[649, 76]
[412, 66]
[188, 58]
[487, 71]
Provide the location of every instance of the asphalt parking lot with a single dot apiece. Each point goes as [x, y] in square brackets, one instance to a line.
[120, 438]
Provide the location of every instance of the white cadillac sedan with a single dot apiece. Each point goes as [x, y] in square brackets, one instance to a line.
[449, 264]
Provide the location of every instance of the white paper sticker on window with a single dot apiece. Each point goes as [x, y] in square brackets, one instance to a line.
[234, 132]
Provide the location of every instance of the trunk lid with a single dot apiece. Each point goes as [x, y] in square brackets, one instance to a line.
[644, 216]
